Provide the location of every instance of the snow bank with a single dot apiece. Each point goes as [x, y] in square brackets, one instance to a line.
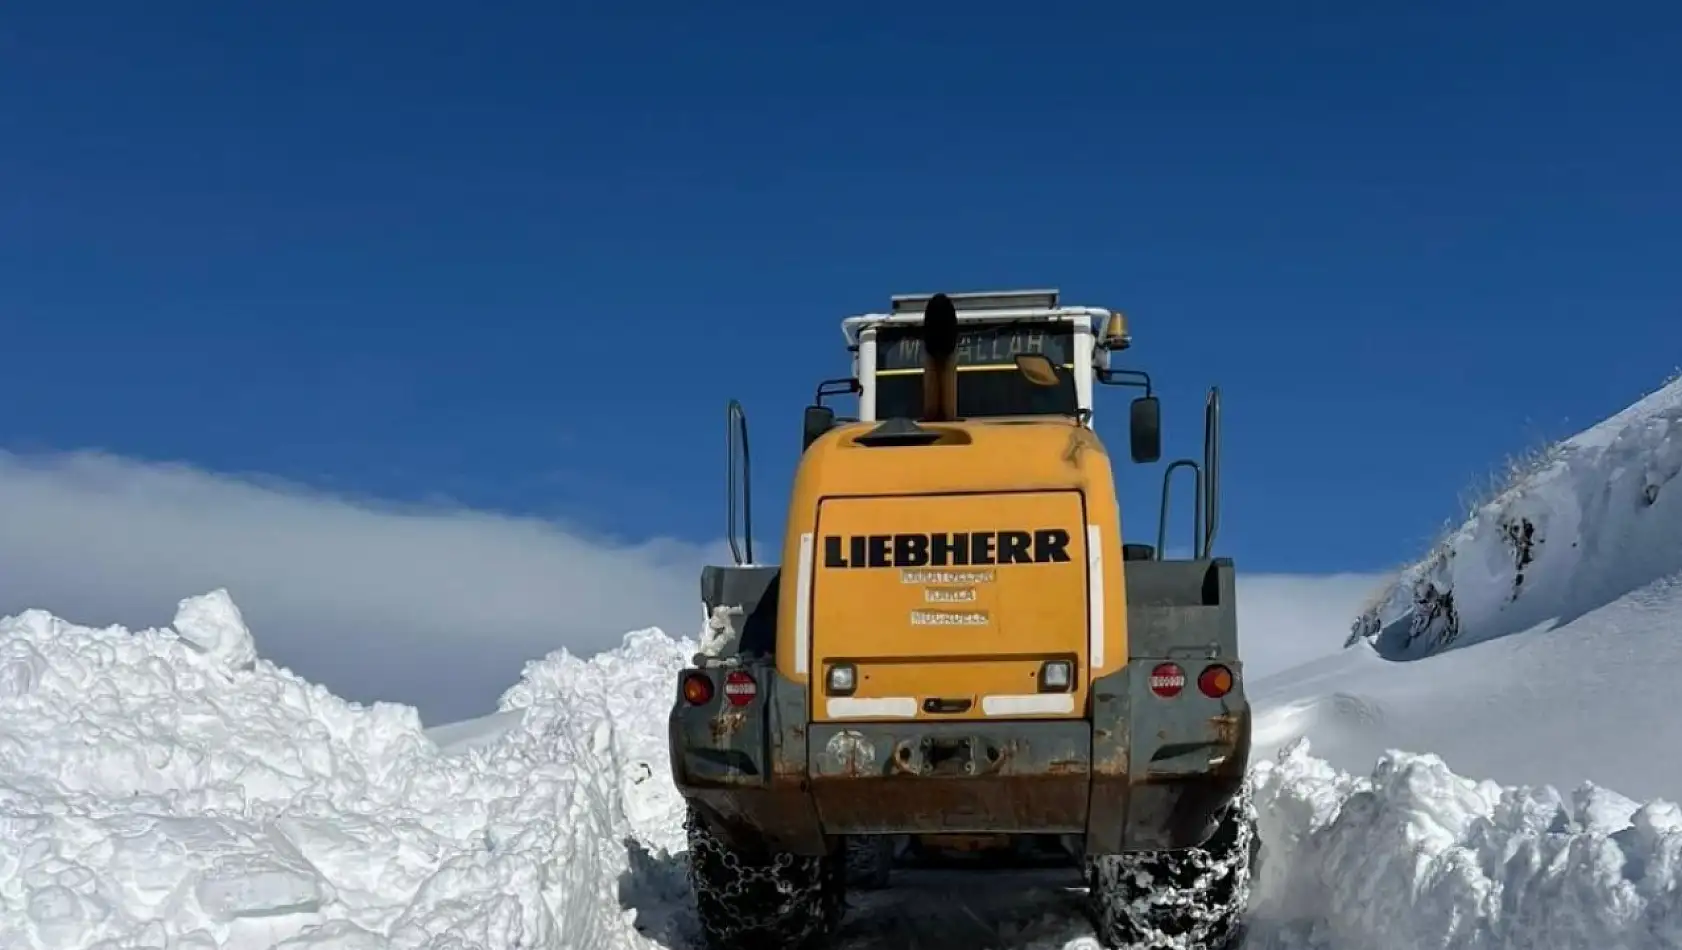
[166, 788]
[1582, 552]
[1416, 856]
[1596, 517]
[1595, 698]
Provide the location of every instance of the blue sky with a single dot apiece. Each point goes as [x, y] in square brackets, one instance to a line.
[516, 259]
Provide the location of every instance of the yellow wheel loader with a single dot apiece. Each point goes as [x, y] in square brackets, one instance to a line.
[958, 649]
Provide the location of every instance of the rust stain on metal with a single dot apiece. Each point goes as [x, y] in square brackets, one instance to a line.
[901, 760]
[786, 766]
[964, 843]
[1065, 766]
[726, 724]
[929, 804]
[1110, 758]
[1080, 440]
[1225, 726]
[999, 757]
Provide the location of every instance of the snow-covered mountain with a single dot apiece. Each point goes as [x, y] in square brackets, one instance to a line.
[1589, 520]
[1538, 642]
[170, 789]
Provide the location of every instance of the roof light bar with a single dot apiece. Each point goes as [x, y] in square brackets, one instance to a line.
[980, 300]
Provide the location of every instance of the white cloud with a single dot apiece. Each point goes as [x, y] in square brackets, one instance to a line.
[434, 608]
[1288, 619]
[437, 608]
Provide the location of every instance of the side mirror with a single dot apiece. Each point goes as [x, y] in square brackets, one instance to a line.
[819, 419]
[1145, 429]
[1037, 368]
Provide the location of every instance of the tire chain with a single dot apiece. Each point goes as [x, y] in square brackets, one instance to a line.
[782, 901]
[1138, 900]
[1194, 898]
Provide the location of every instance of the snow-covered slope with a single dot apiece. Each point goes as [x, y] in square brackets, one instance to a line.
[1595, 517]
[1539, 644]
[1540, 639]
[1593, 699]
[171, 790]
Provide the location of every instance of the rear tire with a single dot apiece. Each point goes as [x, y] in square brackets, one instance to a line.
[753, 899]
[1196, 897]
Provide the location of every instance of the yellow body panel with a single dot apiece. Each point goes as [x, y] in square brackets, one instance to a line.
[996, 475]
[925, 624]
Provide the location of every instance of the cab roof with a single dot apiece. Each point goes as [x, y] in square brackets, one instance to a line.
[992, 307]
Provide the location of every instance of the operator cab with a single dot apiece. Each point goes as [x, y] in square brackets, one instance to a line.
[1020, 354]
[993, 330]
[989, 382]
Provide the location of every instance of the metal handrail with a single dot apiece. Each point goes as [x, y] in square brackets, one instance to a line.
[1206, 512]
[1196, 511]
[1211, 467]
[736, 428]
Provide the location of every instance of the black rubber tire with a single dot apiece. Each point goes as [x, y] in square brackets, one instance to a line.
[870, 862]
[749, 900]
[1173, 900]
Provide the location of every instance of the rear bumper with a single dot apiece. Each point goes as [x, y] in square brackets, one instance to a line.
[1141, 773]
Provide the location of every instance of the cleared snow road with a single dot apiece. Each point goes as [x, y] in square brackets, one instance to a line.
[955, 910]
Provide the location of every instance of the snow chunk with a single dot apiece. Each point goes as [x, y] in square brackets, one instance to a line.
[267, 879]
[722, 634]
[21, 666]
[212, 623]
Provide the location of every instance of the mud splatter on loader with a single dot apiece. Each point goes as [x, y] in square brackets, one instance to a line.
[958, 650]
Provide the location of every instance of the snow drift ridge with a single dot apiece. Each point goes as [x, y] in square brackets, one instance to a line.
[1593, 519]
[165, 788]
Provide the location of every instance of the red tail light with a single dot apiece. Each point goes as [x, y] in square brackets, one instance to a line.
[1215, 682]
[740, 688]
[1167, 680]
[697, 689]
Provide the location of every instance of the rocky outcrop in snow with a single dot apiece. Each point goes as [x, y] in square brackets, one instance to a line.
[1597, 516]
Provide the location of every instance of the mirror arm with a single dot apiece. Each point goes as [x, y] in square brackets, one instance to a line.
[836, 387]
[1136, 378]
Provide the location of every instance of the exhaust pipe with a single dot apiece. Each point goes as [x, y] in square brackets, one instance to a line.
[940, 363]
